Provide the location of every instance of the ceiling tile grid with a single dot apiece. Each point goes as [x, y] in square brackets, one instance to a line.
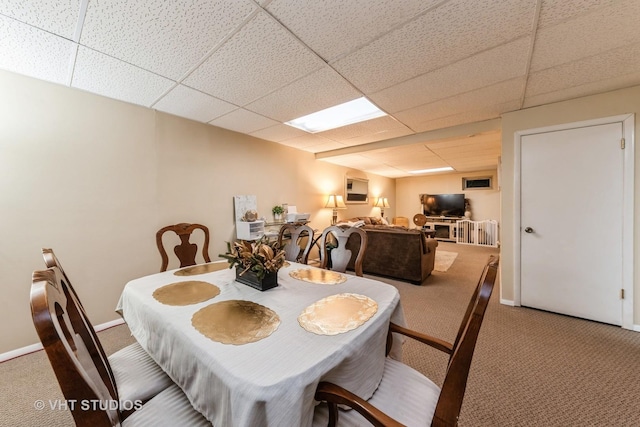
[484, 69]
[597, 68]
[447, 34]
[321, 89]
[33, 52]
[167, 37]
[98, 73]
[251, 65]
[53, 16]
[243, 121]
[470, 101]
[334, 27]
[586, 35]
[186, 102]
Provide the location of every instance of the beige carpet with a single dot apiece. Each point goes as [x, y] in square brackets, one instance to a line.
[530, 368]
[443, 260]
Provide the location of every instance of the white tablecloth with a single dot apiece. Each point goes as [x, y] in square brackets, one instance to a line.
[270, 382]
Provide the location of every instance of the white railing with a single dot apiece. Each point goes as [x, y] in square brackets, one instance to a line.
[479, 233]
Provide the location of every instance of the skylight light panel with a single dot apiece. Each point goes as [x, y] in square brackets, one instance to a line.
[355, 111]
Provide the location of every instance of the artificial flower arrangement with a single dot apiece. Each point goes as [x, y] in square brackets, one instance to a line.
[260, 257]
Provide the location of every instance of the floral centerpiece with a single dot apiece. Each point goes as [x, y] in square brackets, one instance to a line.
[256, 262]
[277, 211]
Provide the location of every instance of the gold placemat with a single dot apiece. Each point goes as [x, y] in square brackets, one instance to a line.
[336, 314]
[323, 277]
[186, 293]
[235, 321]
[202, 269]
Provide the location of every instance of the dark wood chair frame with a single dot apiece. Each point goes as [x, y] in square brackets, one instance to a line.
[292, 249]
[340, 256]
[460, 355]
[81, 323]
[71, 354]
[185, 251]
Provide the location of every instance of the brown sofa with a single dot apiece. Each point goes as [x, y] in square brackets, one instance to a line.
[396, 252]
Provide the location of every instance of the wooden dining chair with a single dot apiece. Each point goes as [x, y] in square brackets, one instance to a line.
[297, 248]
[137, 375]
[405, 396]
[185, 251]
[336, 237]
[78, 371]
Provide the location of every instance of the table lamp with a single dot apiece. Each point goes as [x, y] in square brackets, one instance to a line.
[382, 203]
[335, 202]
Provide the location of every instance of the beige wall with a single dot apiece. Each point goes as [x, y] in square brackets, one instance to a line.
[485, 204]
[94, 179]
[592, 107]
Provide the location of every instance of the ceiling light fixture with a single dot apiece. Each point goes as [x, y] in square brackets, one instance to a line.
[448, 168]
[355, 111]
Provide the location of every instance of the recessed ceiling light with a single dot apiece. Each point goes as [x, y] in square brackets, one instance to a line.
[448, 168]
[355, 111]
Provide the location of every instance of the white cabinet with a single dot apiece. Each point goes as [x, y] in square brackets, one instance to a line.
[249, 230]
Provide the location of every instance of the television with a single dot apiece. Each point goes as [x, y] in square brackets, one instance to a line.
[443, 204]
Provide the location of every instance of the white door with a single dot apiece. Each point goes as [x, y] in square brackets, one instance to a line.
[572, 222]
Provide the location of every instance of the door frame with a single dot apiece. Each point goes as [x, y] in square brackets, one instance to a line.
[628, 124]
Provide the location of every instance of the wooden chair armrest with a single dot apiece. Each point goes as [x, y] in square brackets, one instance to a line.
[423, 338]
[334, 394]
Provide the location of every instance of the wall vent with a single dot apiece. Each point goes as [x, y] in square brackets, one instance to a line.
[477, 183]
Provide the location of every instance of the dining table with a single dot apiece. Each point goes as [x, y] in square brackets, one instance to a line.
[246, 357]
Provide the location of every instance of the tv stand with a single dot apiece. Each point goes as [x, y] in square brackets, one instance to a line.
[444, 227]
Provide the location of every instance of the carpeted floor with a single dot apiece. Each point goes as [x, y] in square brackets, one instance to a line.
[531, 368]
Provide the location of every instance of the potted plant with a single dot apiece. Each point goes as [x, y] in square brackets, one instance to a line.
[277, 212]
[257, 263]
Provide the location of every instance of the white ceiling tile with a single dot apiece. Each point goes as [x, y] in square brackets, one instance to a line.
[257, 60]
[454, 31]
[33, 52]
[368, 128]
[334, 27]
[356, 161]
[54, 16]
[484, 69]
[602, 67]
[601, 86]
[418, 124]
[306, 140]
[278, 133]
[374, 137]
[244, 121]
[324, 146]
[167, 37]
[602, 30]
[470, 101]
[107, 76]
[317, 91]
[555, 11]
[186, 102]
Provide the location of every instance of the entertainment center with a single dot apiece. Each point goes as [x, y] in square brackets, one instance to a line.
[444, 227]
[442, 212]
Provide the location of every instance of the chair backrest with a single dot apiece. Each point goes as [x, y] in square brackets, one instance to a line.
[455, 382]
[81, 323]
[293, 248]
[340, 255]
[70, 355]
[185, 251]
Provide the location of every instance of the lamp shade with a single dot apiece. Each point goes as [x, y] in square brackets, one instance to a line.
[336, 202]
[382, 202]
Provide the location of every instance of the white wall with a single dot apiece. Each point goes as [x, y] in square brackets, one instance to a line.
[94, 179]
[485, 203]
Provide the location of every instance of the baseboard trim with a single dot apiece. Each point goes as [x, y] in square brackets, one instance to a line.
[636, 328]
[507, 302]
[38, 346]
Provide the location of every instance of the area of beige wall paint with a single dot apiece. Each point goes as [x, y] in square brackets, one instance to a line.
[612, 103]
[485, 204]
[95, 178]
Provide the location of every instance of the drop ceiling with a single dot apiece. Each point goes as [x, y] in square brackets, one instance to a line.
[444, 71]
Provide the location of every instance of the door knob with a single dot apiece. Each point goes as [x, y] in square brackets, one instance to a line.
[528, 230]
